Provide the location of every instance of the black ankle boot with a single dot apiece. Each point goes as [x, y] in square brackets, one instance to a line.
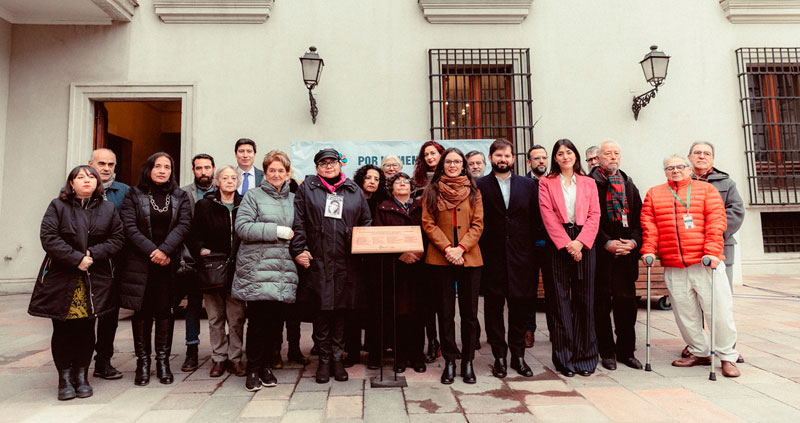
[82, 387]
[141, 346]
[466, 372]
[339, 373]
[191, 362]
[449, 372]
[66, 391]
[433, 351]
[103, 369]
[163, 340]
[323, 371]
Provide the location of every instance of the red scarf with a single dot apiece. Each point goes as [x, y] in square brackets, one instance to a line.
[616, 203]
[332, 188]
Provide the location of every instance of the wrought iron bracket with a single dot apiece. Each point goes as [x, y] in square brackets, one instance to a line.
[640, 101]
[314, 109]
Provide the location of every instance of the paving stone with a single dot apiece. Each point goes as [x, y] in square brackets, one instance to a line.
[431, 399]
[607, 399]
[348, 388]
[266, 408]
[187, 401]
[344, 407]
[131, 404]
[194, 386]
[437, 418]
[577, 413]
[303, 416]
[233, 386]
[161, 416]
[501, 418]
[309, 385]
[220, 410]
[309, 400]
[499, 401]
[277, 392]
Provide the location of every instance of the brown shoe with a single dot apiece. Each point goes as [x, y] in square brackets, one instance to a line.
[277, 360]
[685, 352]
[529, 339]
[692, 360]
[236, 368]
[217, 369]
[729, 369]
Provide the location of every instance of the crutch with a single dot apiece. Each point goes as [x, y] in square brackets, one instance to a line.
[649, 261]
[711, 376]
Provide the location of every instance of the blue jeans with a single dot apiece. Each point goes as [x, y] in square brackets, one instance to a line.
[194, 303]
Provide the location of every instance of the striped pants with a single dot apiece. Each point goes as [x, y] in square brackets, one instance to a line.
[571, 304]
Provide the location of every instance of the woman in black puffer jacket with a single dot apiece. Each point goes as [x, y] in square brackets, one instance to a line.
[80, 233]
[156, 215]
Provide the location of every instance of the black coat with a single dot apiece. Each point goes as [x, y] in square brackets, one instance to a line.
[333, 281]
[212, 226]
[135, 213]
[67, 232]
[618, 273]
[509, 237]
[410, 278]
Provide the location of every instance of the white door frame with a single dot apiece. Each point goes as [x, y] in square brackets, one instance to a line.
[81, 115]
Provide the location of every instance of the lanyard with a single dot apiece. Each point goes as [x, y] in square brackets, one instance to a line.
[688, 196]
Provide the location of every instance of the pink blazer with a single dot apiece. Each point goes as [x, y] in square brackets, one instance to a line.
[554, 212]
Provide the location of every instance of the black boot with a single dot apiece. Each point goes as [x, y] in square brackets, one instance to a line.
[296, 355]
[433, 351]
[163, 348]
[339, 373]
[449, 372]
[323, 371]
[66, 391]
[141, 346]
[466, 372]
[103, 369]
[191, 362]
[82, 387]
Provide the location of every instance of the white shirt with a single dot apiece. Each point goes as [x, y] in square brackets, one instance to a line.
[570, 195]
[251, 178]
[505, 187]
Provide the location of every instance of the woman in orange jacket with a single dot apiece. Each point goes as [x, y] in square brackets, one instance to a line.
[452, 217]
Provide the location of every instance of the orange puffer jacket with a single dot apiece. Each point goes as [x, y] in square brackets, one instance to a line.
[665, 233]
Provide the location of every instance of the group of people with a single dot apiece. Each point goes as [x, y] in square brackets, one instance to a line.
[257, 247]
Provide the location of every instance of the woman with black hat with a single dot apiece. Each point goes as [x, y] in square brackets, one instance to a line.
[330, 275]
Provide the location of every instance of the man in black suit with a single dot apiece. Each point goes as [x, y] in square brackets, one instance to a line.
[251, 176]
[511, 222]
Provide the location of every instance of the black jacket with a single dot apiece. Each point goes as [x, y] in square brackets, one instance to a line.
[333, 281]
[618, 273]
[135, 214]
[67, 232]
[509, 237]
[212, 226]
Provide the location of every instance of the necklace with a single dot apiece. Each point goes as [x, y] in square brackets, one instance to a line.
[156, 208]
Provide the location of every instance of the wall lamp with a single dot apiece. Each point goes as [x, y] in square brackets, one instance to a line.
[312, 66]
[654, 66]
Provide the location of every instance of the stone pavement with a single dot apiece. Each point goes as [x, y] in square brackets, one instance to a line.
[767, 315]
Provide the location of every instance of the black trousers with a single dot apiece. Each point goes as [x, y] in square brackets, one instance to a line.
[291, 318]
[430, 306]
[625, 310]
[493, 307]
[541, 262]
[469, 280]
[410, 339]
[572, 308]
[106, 332]
[352, 331]
[72, 342]
[264, 324]
[329, 329]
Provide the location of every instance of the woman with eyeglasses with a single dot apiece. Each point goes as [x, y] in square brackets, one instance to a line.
[428, 158]
[452, 218]
[571, 214]
[330, 275]
[410, 289]
[391, 166]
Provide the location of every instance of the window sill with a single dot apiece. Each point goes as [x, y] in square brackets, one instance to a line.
[213, 11]
[761, 11]
[475, 11]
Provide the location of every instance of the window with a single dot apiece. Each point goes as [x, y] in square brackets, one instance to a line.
[769, 81]
[482, 94]
[781, 232]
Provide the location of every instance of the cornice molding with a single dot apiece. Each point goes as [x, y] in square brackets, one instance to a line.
[761, 11]
[213, 11]
[118, 10]
[475, 11]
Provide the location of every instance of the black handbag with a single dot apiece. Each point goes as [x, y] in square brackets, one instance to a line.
[214, 271]
[186, 267]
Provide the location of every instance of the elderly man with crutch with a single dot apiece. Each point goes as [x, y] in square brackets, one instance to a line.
[683, 222]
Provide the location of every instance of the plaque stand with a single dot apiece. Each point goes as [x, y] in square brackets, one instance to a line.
[397, 381]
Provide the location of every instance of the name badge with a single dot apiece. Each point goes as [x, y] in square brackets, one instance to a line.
[688, 222]
[333, 206]
[624, 220]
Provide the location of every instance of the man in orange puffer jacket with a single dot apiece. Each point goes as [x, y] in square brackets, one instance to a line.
[682, 222]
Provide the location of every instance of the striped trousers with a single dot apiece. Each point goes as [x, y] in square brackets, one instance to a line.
[571, 304]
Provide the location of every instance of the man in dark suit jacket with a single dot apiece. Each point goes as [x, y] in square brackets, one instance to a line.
[511, 224]
[251, 176]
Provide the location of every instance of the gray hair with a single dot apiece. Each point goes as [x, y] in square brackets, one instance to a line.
[676, 156]
[108, 150]
[474, 153]
[592, 149]
[391, 156]
[608, 141]
[696, 143]
[223, 168]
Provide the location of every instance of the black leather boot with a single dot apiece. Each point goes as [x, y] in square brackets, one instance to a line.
[66, 391]
[466, 372]
[434, 351]
[82, 387]
[163, 347]
[191, 362]
[142, 348]
[103, 369]
[339, 373]
[449, 372]
[323, 371]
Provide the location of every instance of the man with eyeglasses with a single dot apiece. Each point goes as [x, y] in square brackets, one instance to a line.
[537, 163]
[476, 163]
[592, 160]
[683, 222]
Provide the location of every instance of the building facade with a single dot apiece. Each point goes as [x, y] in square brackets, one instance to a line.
[202, 74]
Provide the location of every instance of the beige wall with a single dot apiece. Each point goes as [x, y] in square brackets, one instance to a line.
[375, 86]
[5, 62]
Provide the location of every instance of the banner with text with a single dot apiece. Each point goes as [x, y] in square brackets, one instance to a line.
[358, 153]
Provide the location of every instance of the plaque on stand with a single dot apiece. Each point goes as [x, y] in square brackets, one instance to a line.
[386, 240]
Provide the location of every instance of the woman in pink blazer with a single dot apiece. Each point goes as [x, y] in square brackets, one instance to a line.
[571, 215]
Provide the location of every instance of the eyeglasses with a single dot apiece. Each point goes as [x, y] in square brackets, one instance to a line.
[453, 162]
[403, 181]
[673, 168]
[539, 158]
[702, 153]
[593, 159]
[328, 163]
[392, 165]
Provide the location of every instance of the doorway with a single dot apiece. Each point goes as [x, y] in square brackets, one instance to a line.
[134, 130]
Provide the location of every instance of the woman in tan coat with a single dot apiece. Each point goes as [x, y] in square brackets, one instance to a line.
[452, 218]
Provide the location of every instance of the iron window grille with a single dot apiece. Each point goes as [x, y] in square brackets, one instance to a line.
[781, 232]
[769, 88]
[482, 94]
